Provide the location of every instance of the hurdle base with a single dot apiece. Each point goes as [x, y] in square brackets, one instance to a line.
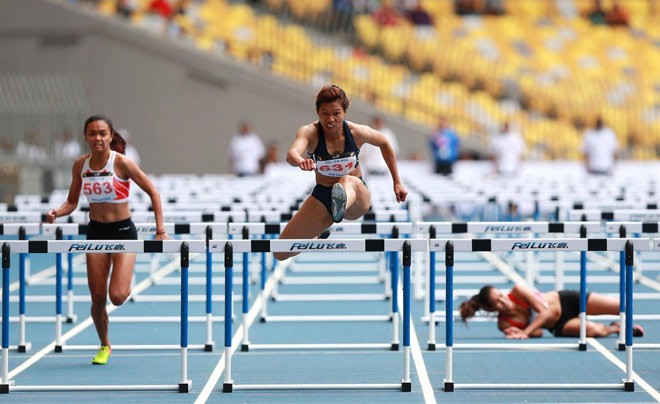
[72, 319]
[4, 388]
[59, 348]
[209, 347]
[263, 319]
[431, 346]
[245, 347]
[448, 386]
[395, 346]
[628, 386]
[582, 346]
[227, 387]
[406, 387]
[24, 348]
[622, 347]
[185, 387]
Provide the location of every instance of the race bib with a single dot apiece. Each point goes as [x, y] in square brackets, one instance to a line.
[99, 188]
[336, 167]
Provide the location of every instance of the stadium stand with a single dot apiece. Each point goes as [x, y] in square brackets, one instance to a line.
[479, 69]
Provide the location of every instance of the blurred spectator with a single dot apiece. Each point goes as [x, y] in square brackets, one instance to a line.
[29, 148]
[617, 16]
[180, 7]
[466, 7]
[130, 150]
[418, 15]
[445, 147]
[67, 147]
[600, 148]
[271, 157]
[494, 7]
[6, 145]
[161, 7]
[371, 158]
[387, 14]
[507, 149]
[125, 8]
[342, 16]
[245, 151]
[597, 14]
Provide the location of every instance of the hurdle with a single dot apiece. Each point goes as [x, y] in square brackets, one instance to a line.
[636, 215]
[22, 230]
[636, 228]
[509, 229]
[450, 246]
[107, 246]
[343, 228]
[207, 228]
[228, 248]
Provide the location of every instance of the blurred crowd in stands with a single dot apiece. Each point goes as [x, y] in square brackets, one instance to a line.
[473, 61]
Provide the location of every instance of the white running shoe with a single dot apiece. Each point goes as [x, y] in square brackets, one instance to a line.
[338, 196]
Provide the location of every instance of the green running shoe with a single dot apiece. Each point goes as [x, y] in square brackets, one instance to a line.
[102, 356]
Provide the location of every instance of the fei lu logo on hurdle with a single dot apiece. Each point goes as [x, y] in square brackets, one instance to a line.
[97, 247]
[507, 228]
[533, 245]
[317, 246]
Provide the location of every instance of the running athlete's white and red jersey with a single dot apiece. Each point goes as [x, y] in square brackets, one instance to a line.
[104, 185]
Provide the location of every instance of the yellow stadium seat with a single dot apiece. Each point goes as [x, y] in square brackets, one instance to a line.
[366, 30]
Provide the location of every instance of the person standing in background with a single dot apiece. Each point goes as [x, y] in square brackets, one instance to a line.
[507, 148]
[445, 147]
[372, 160]
[600, 148]
[246, 151]
[66, 147]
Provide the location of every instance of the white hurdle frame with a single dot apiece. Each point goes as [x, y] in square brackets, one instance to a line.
[22, 230]
[229, 247]
[106, 246]
[395, 229]
[450, 246]
[499, 229]
[149, 228]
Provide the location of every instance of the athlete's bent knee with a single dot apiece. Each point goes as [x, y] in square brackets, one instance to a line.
[118, 298]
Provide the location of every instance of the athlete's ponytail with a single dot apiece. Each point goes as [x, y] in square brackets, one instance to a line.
[117, 143]
[477, 302]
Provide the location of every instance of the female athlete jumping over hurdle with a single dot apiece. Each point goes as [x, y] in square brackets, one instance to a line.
[330, 147]
[525, 312]
[103, 177]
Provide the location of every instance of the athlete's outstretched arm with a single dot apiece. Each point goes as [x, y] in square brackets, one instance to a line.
[72, 198]
[297, 154]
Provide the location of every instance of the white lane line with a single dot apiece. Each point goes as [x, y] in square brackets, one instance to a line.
[418, 358]
[642, 383]
[238, 334]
